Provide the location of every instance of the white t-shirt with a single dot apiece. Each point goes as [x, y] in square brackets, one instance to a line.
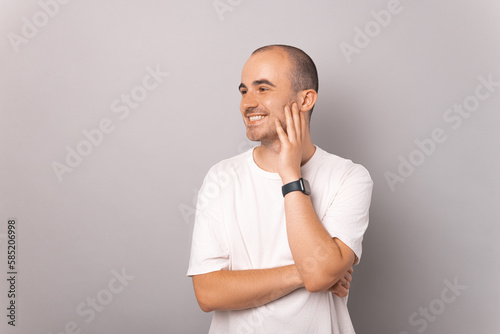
[240, 224]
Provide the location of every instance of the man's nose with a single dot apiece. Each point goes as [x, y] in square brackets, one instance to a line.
[249, 101]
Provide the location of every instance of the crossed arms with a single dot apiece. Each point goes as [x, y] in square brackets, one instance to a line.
[321, 264]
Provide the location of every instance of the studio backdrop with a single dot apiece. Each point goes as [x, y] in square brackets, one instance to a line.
[112, 112]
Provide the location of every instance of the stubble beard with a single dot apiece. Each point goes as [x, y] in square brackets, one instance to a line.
[270, 139]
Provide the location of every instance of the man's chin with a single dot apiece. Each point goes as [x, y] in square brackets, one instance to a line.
[263, 139]
[252, 136]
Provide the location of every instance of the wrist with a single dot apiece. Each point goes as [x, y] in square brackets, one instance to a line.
[290, 177]
[295, 277]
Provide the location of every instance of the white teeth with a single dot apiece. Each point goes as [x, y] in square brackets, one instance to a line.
[255, 118]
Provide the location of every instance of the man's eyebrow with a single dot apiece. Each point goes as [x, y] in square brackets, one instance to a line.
[263, 82]
[256, 83]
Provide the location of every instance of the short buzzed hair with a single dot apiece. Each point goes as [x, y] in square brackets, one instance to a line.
[304, 74]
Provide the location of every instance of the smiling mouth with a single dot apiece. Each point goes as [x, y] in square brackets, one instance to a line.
[256, 118]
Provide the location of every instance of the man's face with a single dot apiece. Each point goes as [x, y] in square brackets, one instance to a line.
[265, 91]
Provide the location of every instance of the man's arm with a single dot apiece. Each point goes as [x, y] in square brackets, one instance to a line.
[321, 260]
[240, 289]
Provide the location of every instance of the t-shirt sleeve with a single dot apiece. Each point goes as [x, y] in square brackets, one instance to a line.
[209, 247]
[347, 216]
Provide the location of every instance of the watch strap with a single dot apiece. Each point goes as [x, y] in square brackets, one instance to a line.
[294, 186]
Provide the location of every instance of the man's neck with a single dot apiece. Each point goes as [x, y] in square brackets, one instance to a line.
[266, 155]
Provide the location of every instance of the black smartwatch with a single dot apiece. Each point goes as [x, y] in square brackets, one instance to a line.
[301, 184]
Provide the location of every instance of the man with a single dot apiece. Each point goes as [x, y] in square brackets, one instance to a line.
[279, 227]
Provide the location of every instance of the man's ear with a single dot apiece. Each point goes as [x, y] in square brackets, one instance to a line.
[308, 98]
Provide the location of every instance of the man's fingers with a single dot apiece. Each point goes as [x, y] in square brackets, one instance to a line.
[297, 121]
[340, 295]
[280, 131]
[348, 277]
[339, 290]
[290, 127]
[303, 126]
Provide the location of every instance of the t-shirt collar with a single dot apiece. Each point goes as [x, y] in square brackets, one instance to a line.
[307, 166]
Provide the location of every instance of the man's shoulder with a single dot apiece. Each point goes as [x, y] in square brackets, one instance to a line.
[342, 165]
[232, 164]
[240, 158]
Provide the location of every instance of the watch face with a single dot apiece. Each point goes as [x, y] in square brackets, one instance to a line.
[306, 187]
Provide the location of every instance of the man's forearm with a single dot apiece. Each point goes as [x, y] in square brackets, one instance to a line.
[241, 289]
[321, 260]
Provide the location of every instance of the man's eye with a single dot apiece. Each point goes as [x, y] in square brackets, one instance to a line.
[243, 92]
[263, 89]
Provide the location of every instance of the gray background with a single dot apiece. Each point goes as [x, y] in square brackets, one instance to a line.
[129, 204]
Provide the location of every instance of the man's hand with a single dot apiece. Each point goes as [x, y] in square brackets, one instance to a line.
[341, 288]
[290, 156]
